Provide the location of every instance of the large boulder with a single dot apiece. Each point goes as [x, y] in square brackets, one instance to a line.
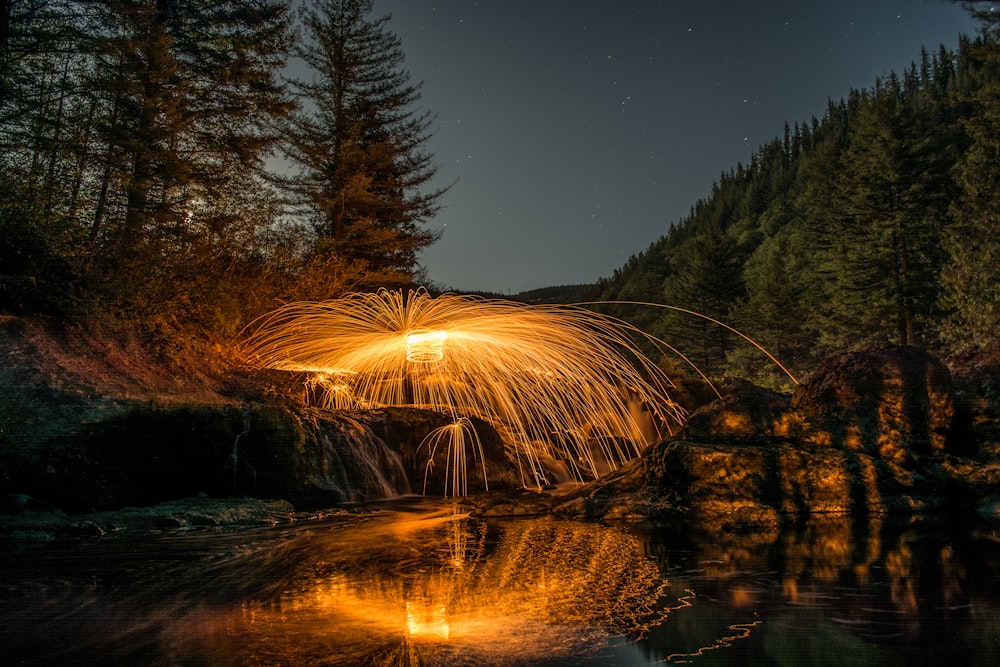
[790, 479]
[977, 402]
[869, 432]
[442, 455]
[744, 413]
[888, 401]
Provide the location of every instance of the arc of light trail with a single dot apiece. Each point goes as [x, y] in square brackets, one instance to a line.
[628, 326]
[704, 317]
[491, 359]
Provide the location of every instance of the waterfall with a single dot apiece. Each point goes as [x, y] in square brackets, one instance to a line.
[234, 456]
[349, 459]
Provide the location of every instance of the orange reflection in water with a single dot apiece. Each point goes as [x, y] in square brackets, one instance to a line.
[438, 588]
[427, 621]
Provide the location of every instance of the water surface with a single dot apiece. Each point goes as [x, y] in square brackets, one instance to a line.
[425, 584]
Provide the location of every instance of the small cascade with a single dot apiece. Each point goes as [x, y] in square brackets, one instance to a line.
[349, 459]
[235, 461]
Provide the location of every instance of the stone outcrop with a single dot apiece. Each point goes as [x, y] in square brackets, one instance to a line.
[85, 427]
[314, 458]
[31, 521]
[869, 432]
[890, 402]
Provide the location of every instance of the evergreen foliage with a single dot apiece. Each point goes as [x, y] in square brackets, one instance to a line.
[134, 179]
[878, 221]
[136, 146]
[970, 277]
[134, 124]
[357, 143]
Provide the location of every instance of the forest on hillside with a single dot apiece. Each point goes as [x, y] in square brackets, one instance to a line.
[158, 163]
[879, 221]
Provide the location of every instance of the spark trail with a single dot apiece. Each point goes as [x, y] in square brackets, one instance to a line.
[555, 381]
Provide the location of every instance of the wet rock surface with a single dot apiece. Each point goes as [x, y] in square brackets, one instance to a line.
[151, 454]
[869, 433]
[38, 524]
[888, 401]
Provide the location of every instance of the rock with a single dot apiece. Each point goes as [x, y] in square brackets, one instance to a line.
[977, 402]
[197, 513]
[887, 401]
[320, 457]
[620, 495]
[745, 412]
[315, 458]
[84, 529]
[18, 503]
[154, 453]
[407, 431]
[868, 433]
[790, 479]
[204, 520]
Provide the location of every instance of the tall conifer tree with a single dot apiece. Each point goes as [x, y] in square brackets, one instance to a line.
[358, 144]
[706, 277]
[190, 87]
[971, 277]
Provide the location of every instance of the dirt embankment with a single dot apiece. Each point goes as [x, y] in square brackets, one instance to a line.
[58, 379]
[56, 376]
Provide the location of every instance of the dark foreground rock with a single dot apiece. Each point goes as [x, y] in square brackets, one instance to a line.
[869, 433]
[90, 422]
[151, 454]
[37, 521]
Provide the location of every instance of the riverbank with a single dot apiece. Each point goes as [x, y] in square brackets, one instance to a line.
[93, 422]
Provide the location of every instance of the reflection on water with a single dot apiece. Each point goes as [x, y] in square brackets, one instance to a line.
[431, 586]
[444, 589]
[838, 592]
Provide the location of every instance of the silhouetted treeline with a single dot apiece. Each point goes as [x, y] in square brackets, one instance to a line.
[878, 221]
[155, 162]
[556, 294]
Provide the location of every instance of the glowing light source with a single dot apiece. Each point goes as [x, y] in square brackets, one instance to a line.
[426, 621]
[425, 346]
[559, 383]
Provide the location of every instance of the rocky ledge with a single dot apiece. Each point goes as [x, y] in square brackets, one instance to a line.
[26, 519]
[872, 432]
[887, 429]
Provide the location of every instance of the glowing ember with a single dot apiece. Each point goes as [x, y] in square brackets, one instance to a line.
[557, 382]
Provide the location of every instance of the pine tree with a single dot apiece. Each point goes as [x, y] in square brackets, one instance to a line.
[875, 201]
[41, 118]
[971, 277]
[774, 311]
[189, 89]
[706, 277]
[358, 146]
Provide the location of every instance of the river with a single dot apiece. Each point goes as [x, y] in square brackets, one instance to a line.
[422, 583]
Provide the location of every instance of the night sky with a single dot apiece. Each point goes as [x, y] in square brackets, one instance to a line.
[575, 132]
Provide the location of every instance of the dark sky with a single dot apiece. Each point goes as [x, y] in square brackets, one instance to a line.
[576, 131]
